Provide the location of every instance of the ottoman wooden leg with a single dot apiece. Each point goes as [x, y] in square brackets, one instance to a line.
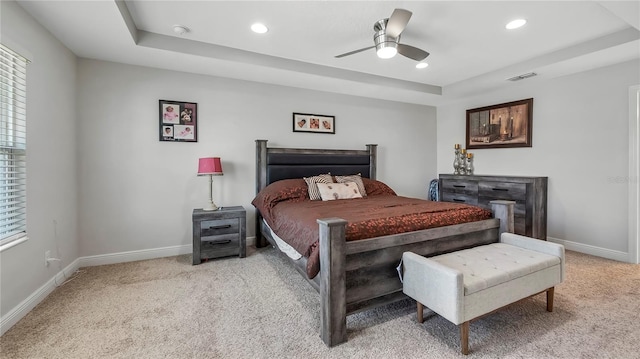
[550, 299]
[420, 317]
[464, 337]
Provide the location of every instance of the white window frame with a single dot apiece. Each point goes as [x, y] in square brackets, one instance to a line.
[634, 174]
[13, 148]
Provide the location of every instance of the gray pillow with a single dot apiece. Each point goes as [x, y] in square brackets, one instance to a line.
[357, 178]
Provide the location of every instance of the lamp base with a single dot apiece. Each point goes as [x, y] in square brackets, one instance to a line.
[211, 207]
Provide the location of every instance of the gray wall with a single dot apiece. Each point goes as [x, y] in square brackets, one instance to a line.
[51, 159]
[580, 141]
[138, 193]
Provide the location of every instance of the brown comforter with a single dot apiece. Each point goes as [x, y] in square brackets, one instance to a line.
[295, 222]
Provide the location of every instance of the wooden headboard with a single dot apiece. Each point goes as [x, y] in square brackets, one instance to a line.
[277, 163]
[274, 164]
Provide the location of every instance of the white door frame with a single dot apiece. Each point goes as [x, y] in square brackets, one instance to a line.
[634, 174]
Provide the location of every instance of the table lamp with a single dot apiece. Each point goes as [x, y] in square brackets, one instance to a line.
[210, 166]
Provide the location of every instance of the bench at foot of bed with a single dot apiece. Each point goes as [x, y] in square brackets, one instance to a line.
[467, 284]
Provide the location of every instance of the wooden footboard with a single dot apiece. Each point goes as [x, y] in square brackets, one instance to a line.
[360, 275]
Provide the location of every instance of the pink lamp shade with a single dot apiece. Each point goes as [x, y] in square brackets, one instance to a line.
[210, 166]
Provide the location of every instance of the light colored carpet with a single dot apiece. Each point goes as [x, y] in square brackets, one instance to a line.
[260, 307]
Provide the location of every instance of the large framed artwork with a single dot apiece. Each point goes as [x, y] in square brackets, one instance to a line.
[500, 126]
[178, 121]
[306, 122]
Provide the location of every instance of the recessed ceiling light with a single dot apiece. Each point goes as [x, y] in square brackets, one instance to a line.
[259, 28]
[421, 65]
[180, 29]
[516, 24]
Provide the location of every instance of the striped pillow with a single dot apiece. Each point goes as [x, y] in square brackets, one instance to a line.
[353, 178]
[314, 193]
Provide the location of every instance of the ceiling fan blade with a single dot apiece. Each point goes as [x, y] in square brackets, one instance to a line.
[397, 22]
[411, 52]
[354, 52]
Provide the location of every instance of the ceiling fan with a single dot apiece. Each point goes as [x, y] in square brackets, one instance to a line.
[387, 38]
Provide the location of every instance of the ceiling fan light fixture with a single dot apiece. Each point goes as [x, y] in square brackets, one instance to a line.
[386, 46]
[386, 52]
[386, 39]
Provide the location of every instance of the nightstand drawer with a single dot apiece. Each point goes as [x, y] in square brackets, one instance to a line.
[219, 227]
[230, 247]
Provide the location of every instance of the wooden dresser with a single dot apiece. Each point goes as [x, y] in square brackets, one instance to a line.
[529, 193]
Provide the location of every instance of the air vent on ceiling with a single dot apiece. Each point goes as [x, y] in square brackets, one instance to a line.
[522, 77]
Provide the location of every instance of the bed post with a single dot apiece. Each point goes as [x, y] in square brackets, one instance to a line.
[373, 160]
[333, 288]
[261, 182]
[504, 211]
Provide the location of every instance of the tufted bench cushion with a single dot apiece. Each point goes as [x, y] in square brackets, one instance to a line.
[487, 266]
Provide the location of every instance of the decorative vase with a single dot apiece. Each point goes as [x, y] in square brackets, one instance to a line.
[463, 156]
[456, 161]
[469, 166]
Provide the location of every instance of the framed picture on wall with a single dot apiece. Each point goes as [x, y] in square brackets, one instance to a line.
[500, 126]
[306, 122]
[178, 121]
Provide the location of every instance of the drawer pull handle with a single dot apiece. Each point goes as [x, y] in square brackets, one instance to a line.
[458, 200]
[220, 227]
[459, 186]
[501, 189]
[220, 242]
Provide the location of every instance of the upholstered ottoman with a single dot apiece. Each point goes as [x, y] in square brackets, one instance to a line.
[464, 285]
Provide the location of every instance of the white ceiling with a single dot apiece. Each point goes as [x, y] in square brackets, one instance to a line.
[471, 51]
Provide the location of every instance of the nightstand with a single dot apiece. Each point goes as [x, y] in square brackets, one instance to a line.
[219, 233]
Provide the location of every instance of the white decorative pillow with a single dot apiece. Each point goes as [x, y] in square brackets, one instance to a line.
[357, 178]
[314, 194]
[331, 191]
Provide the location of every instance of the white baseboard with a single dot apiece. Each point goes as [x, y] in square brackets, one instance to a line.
[251, 241]
[17, 313]
[122, 257]
[592, 250]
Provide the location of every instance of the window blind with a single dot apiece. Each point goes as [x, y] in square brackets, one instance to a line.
[13, 146]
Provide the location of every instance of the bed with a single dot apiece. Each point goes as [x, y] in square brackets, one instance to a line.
[357, 275]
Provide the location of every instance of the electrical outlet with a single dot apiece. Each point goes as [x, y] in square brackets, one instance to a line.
[47, 255]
